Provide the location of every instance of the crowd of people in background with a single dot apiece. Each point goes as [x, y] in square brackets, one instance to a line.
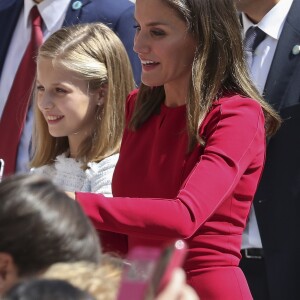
[136, 123]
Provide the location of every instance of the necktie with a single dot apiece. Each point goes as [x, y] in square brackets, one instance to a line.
[254, 36]
[14, 113]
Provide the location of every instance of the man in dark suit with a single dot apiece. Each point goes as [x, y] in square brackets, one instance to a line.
[117, 14]
[274, 272]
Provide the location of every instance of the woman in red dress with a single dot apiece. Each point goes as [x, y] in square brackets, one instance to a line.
[194, 145]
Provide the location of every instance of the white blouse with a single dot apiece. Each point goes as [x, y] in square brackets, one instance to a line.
[66, 173]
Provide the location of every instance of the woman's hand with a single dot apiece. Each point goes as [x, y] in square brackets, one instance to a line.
[177, 289]
[71, 195]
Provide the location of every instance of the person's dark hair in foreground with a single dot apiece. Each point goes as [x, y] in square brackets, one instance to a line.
[40, 225]
[43, 289]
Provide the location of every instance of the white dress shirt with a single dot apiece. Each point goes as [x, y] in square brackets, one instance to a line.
[272, 24]
[53, 13]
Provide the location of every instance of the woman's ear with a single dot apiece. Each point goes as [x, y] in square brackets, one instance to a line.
[102, 94]
[8, 272]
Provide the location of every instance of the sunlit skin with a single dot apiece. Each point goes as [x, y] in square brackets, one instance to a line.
[64, 100]
[255, 9]
[165, 48]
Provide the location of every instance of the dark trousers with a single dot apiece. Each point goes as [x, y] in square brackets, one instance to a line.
[255, 272]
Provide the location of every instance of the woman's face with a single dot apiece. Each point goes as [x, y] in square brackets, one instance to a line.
[164, 46]
[65, 102]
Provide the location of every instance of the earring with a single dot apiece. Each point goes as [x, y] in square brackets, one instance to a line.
[101, 101]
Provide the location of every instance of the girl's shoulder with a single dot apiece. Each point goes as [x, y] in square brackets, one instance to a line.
[104, 165]
[61, 165]
[47, 170]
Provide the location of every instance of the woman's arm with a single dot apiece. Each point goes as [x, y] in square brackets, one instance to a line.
[235, 137]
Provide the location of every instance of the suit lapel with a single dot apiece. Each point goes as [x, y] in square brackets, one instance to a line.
[8, 19]
[284, 62]
[74, 15]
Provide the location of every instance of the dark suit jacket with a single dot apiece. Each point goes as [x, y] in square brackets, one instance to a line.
[277, 201]
[118, 15]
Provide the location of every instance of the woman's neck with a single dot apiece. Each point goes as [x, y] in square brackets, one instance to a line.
[175, 96]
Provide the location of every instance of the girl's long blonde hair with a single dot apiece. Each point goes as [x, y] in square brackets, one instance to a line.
[96, 55]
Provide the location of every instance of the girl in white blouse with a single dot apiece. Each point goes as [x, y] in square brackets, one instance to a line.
[83, 78]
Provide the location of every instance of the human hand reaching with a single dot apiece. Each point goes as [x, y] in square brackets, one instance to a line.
[177, 289]
[71, 195]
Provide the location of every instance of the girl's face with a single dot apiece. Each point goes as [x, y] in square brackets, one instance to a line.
[65, 102]
[164, 46]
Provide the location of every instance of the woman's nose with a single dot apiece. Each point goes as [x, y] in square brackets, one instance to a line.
[141, 43]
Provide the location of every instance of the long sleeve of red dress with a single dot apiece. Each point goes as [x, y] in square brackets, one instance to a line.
[162, 192]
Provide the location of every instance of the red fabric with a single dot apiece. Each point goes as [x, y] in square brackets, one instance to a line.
[162, 193]
[15, 110]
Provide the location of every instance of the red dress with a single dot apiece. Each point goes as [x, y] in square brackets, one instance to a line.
[162, 193]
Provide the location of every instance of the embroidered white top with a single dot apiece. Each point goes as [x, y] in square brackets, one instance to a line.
[67, 174]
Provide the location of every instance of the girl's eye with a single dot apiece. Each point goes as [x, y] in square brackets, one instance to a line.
[137, 27]
[60, 91]
[40, 88]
